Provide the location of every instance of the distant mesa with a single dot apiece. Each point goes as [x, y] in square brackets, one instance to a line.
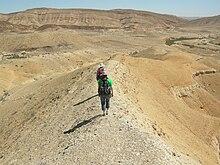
[88, 19]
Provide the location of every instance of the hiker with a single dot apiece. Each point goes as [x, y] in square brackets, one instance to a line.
[105, 91]
[99, 71]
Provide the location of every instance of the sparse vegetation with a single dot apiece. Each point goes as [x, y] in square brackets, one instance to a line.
[188, 45]
[13, 56]
[172, 41]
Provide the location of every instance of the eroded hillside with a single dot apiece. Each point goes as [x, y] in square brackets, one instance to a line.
[44, 18]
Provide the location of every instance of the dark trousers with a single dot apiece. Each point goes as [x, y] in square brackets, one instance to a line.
[105, 101]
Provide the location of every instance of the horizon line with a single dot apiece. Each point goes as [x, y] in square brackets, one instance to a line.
[100, 9]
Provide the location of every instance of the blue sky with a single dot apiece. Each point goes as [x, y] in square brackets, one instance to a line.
[193, 8]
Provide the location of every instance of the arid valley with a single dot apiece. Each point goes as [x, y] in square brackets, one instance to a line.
[166, 81]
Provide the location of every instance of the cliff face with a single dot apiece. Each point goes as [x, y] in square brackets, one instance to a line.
[112, 19]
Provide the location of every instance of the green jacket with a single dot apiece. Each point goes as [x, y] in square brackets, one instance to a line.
[109, 81]
[103, 91]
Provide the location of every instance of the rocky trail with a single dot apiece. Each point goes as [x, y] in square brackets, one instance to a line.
[61, 123]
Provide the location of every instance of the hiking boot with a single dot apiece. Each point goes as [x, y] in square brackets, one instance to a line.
[103, 113]
[107, 112]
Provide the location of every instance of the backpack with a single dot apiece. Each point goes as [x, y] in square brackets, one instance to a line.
[100, 71]
[104, 88]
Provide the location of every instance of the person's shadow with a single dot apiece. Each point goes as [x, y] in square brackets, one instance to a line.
[81, 102]
[83, 123]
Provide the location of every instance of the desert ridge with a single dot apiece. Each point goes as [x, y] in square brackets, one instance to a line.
[165, 73]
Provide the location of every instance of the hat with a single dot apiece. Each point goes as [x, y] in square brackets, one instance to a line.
[101, 65]
[104, 73]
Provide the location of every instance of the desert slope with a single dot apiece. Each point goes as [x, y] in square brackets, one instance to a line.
[97, 19]
[206, 21]
[189, 121]
[60, 123]
[61, 114]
